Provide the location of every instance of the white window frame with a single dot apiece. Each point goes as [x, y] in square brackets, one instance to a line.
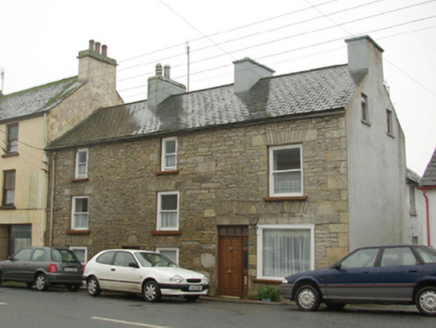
[272, 149]
[164, 167]
[81, 248]
[261, 228]
[169, 249]
[159, 211]
[77, 174]
[73, 213]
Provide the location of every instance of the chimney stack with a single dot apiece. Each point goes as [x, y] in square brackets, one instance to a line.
[161, 87]
[247, 73]
[365, 56]
[94, 61]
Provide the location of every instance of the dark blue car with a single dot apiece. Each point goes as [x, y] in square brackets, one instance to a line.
[403, 274]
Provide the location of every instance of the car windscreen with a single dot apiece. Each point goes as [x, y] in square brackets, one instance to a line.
[427, 254]
[154, 260]
[63, 255]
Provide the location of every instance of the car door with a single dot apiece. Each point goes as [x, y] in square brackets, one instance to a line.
[37, 261]
[15, 268]
[352, 278]
[397, 274]
[125, 277]
[102, 269]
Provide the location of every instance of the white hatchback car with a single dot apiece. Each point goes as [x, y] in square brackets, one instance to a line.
[138, 271]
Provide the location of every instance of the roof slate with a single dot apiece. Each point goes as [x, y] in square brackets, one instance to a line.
[37, 100]
[299, 93]
[429, 177]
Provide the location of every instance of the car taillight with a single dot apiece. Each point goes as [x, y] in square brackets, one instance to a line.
[52, 268]
[83, 268]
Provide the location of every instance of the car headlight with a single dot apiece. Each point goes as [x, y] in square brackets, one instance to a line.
[284, 281]
[205, 280]
[177, 279]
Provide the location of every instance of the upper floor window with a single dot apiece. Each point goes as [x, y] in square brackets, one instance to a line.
[364, 108]
[389, 122]
[8, 188]
[168, 211]
[80, 213]
[81, 169]
[285, 171]
[169, 154]
[12, 135]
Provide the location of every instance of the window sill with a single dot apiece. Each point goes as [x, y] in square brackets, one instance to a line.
[166, 232]
[267, 281]
[167, 172]
[80, 180]
[281, 199]
[366, 122]
[7, 207]
[78, 232]
[15, 154]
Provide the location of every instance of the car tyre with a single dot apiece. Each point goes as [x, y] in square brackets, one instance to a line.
[151, 291]
[93, 286]
[426, 301]
[307, 298]
[191, 298]
[41, 282]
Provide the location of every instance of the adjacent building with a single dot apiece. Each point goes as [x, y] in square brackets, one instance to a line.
[428, 187]
[246, 182]
[31, 119]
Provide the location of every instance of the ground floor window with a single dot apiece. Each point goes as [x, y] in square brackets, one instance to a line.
[21, 237]
[81, 253]
[171, 253]
[284, 250]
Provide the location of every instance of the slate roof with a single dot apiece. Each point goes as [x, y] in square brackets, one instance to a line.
[37, 100]
[429, 177]
[274, 97]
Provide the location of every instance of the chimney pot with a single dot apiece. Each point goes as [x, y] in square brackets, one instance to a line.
[97, 47]
[91, 45]
[158, 70]
[104, 50]
[167, 71]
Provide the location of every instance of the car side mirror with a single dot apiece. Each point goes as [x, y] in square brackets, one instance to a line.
[336, 266]
[10, 258]
[133, 265]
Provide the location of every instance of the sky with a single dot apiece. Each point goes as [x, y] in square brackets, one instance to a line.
[40, 41]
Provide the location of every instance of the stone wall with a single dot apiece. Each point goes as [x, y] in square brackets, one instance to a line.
[222, 180]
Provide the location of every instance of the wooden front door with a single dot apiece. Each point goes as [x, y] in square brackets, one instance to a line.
[232, 261]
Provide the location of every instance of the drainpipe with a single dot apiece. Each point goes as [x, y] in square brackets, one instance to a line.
[427, 210]
[53, 170]
[44, 184]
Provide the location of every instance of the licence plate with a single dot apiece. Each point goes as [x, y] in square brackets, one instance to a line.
[195, 288]
[70, 269]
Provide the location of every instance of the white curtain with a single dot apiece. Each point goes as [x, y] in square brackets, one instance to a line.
[285, 252]
[169, 219]
[287, 182]
[81, 221]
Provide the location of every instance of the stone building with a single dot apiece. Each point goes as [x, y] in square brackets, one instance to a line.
[31, 119]
[246, 182]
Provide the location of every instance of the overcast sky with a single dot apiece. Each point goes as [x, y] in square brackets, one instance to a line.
[40, 40]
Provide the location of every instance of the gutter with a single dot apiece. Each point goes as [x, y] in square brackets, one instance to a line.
[53, 174]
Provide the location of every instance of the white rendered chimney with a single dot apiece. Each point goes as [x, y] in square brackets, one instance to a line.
[247, 73]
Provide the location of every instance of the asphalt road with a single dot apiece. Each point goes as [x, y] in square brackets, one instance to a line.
[22, 307]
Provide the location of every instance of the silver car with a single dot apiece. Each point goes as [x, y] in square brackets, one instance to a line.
[43, 267]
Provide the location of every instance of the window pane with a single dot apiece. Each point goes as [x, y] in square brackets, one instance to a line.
[81, 221]
[10, 180]
[169, 202]
[170, 160]
[170, 146]
[287, 159]
[398, 256]
[286, 252]
[81, 156]
[427, 255]
[363, 258]
[287, 182]
[168, 220]
[81, 205]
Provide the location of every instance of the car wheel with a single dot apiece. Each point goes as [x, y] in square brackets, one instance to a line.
[307, 298]
[41, 282]
[191, 298]
[151, 291]
[335, 306]
[93, 286]
[74, 287]
[426, 301]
